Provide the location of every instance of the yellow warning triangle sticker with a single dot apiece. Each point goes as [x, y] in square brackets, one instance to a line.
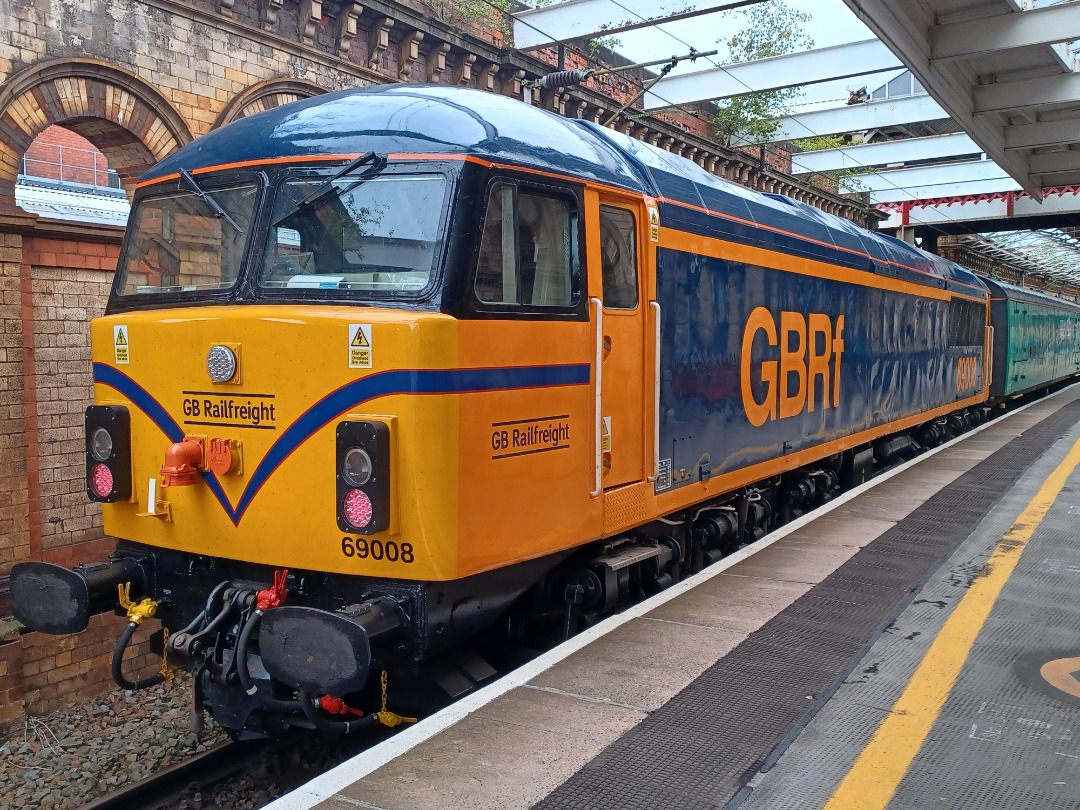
[360, 340]
[120, 339]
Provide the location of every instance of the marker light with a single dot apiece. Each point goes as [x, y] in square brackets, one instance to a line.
[108, 453]
[356, 467]
[362, 476]
[356, 508]
[101, 480]
[101, 444]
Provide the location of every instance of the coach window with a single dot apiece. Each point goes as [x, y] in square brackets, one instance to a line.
[618, 257]
[527, 249]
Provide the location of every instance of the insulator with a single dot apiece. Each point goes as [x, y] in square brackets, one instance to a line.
[563, 78]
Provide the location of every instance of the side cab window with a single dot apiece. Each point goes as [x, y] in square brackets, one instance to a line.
[529, 248]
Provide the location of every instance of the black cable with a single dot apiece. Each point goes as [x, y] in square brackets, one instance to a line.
[118, 664]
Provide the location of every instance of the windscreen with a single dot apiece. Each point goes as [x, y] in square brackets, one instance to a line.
[378, 236]
[187, 241]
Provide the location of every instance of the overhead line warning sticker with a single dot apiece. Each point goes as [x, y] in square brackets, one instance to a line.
[120, 345]
[359, 345]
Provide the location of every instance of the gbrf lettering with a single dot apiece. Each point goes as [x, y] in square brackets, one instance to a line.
[809, 347]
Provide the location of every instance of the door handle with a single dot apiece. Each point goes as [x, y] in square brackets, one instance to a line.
[598, 377]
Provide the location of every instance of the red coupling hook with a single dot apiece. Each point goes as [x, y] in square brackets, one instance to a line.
[333, 705]
[272, 597]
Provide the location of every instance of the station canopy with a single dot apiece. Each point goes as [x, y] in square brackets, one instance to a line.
[961, 116]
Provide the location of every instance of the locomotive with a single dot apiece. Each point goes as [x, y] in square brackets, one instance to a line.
[394, 371]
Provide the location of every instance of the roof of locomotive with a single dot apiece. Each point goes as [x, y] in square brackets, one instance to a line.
[781, 223]
[409, 119]
[1010, 292]
[432, 120]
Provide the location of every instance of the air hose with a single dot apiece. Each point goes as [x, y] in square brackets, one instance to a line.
[307, 703]
[118, 663]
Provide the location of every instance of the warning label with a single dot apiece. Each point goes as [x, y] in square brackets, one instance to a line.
[359, 345]
[120, 345]
[605, 435]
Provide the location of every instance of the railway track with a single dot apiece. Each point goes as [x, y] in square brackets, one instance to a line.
[167, 786]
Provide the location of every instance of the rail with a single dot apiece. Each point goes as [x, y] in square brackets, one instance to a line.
[167, 785]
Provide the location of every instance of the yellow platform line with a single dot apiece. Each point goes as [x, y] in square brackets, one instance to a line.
[877, 772]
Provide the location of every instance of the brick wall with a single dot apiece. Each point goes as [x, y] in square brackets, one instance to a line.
[14, 534]
[68, 285]
[53, 280]
[65, 299]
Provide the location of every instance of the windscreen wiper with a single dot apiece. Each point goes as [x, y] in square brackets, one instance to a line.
[219, 212]
[378, 163]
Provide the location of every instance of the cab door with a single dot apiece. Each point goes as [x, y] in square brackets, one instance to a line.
[618, 313]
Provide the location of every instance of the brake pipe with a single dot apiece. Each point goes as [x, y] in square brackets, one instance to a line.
[307, 703]
[264, 600]
[136, 612]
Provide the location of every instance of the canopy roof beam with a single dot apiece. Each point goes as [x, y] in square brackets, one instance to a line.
[1003, 96]
[585, 19]
[1037, 26]
[774, 73]
[932, 182]
[905, 150]
[906, 26]
[860, 117]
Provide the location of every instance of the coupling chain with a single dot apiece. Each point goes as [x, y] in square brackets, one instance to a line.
[167, 672]
[386, 717]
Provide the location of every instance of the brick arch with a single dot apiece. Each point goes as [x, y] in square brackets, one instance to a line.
[123, 116]
[265, 96]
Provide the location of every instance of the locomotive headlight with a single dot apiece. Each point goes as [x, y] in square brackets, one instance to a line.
[356, 467]
[221, 364]
[101, 444]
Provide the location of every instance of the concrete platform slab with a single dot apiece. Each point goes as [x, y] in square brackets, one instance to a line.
[509, 754]
[642, 664]
[733, 602]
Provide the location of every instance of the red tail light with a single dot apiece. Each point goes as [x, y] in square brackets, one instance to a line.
[356, 509]
[101, 481]
[108, 453]
[363, 477]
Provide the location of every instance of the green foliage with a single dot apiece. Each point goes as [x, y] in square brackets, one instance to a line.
[840, 176]
[819, 142]
[771, 29]
[490, 14]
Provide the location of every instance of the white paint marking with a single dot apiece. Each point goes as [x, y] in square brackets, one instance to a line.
[586, 698]
[353, 770]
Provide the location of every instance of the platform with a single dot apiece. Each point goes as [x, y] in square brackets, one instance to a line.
[915, 644]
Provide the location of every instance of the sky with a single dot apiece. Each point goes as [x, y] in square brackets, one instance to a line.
[831, 23]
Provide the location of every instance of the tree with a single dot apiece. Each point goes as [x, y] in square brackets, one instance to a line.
[772, 28]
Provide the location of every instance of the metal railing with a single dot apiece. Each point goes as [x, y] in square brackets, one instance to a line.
[73, 166]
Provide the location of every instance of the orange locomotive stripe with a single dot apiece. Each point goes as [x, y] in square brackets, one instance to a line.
[785, 262]
[770, 228]
[674, 500]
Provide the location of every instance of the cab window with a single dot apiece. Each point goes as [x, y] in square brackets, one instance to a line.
[528, 249]
[618, 258]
